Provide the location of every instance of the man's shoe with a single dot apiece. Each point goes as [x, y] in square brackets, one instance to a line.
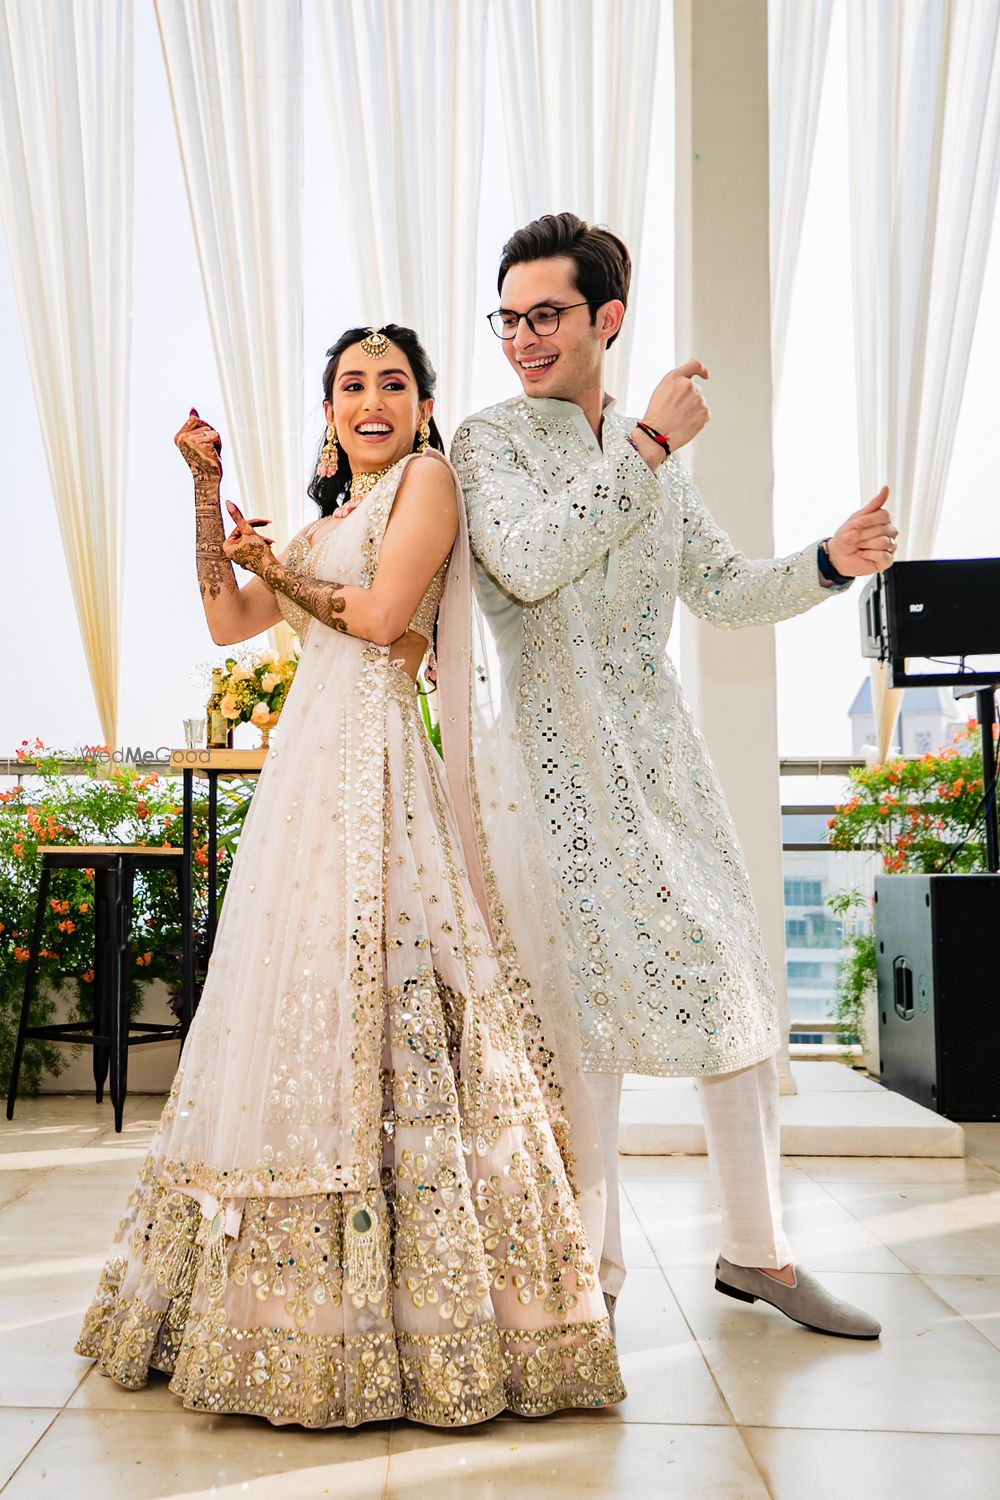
[807, 1302]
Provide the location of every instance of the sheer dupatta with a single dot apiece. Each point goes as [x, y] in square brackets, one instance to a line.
[507, 867]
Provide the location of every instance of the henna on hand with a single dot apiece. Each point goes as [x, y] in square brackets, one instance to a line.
[251, 551]
[200, 447]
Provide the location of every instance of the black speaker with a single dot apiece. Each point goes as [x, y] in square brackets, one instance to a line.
[937, 949]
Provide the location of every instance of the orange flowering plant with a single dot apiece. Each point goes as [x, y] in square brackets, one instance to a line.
[916, 812]
[106, 804]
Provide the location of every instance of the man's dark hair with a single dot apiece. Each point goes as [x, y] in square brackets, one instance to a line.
[603, 266]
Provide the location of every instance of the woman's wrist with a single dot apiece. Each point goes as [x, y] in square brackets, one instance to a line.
[207, 488]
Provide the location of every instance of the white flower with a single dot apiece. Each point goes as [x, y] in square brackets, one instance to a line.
[261, 715]
[239, 674]
[269, 682]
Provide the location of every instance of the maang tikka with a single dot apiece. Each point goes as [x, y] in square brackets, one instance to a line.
[375, 344]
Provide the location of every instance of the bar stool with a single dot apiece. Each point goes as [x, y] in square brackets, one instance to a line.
[115, 867]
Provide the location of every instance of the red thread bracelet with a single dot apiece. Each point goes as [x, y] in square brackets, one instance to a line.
[659, 438]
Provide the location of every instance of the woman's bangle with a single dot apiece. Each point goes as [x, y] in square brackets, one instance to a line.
[659, 438]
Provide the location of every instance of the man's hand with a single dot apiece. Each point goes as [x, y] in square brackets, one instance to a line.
[677, 409]
[244, 546]
[866, 543]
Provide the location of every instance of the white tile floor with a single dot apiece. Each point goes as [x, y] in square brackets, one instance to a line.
[725, 1400]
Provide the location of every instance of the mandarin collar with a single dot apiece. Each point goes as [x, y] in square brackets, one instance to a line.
[553, 406]
[568, 411]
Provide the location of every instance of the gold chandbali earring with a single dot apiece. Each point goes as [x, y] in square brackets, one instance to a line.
[423, 437]
[329, 456]
[375, 344]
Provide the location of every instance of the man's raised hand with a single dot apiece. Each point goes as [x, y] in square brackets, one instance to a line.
[866, 543]
[677, 409]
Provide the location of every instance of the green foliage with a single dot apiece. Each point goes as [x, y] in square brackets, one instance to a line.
[106, 805]
[856, 973]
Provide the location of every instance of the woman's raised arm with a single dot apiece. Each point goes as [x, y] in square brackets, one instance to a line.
[233, 614]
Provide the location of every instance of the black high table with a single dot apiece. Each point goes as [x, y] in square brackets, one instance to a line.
[211, 764]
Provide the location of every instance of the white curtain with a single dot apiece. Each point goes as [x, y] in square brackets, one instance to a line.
[924, 99]
[406, 100]
[577, 79]
[798, 33]
[66, 192]
[235, 74]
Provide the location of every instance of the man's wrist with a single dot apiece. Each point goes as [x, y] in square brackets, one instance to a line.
[826, 566]
[651, 452]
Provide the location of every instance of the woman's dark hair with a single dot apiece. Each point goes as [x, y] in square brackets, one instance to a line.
[603, 265]
[329, 493]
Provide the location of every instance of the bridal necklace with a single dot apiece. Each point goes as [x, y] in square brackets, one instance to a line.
[361, 485]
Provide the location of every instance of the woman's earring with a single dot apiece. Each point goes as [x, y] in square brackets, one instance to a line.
[329, 455]
[423, 437]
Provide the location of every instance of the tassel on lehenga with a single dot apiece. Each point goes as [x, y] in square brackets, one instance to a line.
[365, 1258]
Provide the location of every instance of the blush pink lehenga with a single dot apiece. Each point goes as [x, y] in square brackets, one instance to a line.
[367, 1194]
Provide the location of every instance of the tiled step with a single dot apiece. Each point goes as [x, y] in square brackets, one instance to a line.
[836, 1112]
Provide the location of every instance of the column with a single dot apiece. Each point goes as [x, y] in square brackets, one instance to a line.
[724, 318]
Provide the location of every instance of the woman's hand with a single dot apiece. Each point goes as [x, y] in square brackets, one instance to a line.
[244, 546]
[200, 447]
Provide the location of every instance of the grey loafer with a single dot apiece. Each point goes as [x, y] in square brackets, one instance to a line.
[807, 1302]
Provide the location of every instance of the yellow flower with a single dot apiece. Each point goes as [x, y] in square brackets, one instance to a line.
[269, 656]
[269, 682]
[228, 707]
[261, 715]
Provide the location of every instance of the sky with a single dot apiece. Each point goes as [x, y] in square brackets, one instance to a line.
[166, 650]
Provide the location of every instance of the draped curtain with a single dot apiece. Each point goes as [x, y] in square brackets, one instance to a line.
[406, 101]
[235, 73]
[577, 80]
[798, 34]
[924, 100]
[66, 194]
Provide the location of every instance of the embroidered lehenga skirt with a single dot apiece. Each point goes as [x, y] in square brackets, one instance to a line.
[358, 1204]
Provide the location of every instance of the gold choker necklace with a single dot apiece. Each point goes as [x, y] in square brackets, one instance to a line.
[365, 481]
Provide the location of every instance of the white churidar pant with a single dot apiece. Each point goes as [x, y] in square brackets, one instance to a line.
[740, 1111]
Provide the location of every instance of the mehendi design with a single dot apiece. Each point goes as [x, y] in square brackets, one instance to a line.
[215, 571]
[323, 600]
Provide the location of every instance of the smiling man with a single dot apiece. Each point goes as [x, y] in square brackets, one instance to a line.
[586, 530]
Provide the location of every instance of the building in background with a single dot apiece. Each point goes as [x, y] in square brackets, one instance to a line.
[927, 720]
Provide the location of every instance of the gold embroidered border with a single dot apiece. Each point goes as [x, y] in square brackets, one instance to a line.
[438, 1380]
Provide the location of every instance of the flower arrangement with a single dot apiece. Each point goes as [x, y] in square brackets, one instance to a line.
[920, 814]
[124, 805]
[255, 688]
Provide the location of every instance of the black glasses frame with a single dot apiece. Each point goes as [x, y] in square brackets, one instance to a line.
[527, 318]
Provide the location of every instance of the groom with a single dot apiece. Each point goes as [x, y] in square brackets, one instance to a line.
[585, 530]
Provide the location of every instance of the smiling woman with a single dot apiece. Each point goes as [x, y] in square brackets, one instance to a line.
[373, 403]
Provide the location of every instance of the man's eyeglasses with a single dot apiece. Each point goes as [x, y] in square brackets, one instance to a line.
[542, 320]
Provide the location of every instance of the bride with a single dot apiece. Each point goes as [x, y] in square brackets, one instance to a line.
[375, 1183]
